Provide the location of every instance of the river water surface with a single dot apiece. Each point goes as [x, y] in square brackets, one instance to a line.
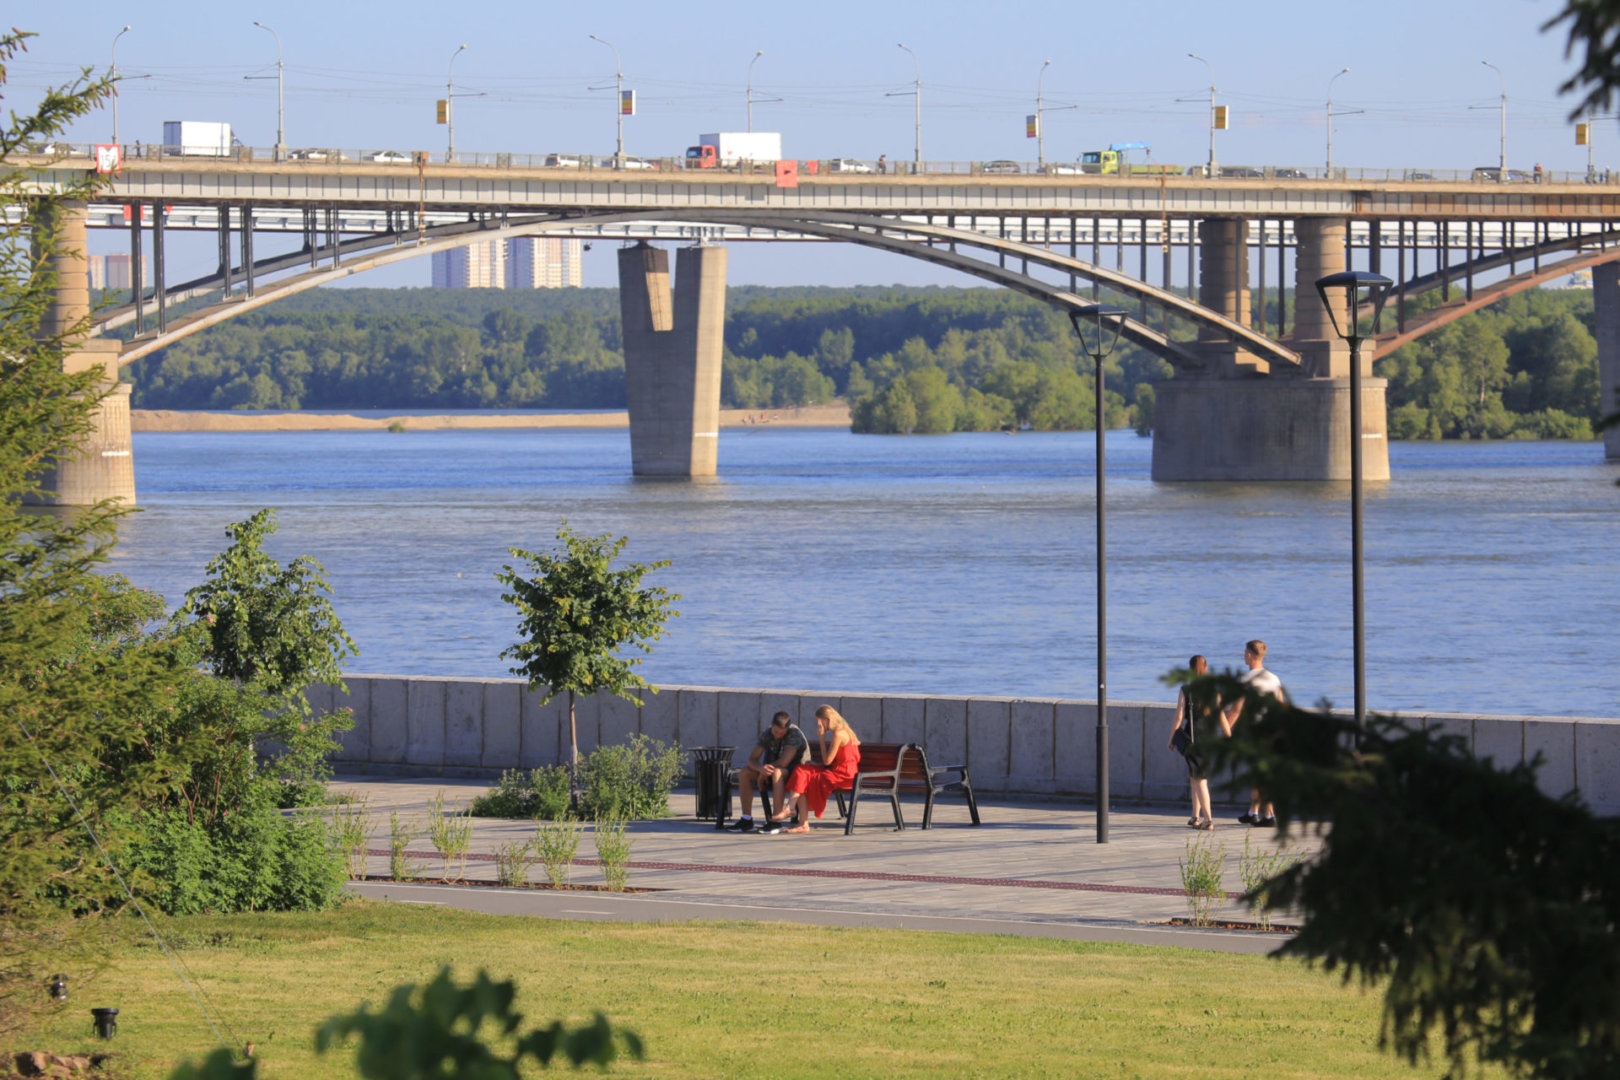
[963, 564]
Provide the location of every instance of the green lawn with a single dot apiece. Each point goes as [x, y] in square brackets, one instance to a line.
[721, 999]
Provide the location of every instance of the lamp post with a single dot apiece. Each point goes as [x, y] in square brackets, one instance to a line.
[1501, 161]
[450, 105]
[618, 100]
[1342, 71]
[916, 90]
[757, 54]
[1098, 327]
[1358, 287]
[281, 130]
[112, 77]
[1213, 168]
[1040, 128]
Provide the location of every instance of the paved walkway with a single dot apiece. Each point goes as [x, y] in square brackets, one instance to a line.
[1033, 868]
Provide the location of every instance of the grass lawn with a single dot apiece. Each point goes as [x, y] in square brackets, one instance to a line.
[721, 999]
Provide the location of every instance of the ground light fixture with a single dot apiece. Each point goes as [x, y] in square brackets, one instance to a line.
[1098, 327]
[1360, 291]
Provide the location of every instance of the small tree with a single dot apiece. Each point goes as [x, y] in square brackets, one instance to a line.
[576, 612]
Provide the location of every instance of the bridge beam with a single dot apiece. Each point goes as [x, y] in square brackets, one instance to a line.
[103, 466]
[1606, 321]
[672, 351]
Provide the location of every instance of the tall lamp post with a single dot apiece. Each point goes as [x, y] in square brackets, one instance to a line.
[1501, 161]
[618, 100]
[1040, 127]
[1342, 71]
[1214, 169]
[281, 130]
[757, 54]
[916, 91]
[450, 105]
[112, 77]
[1098, 327]
[1358, 288]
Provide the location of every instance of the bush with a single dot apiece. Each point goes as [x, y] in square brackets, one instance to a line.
[630, 782]
[541, 793]
[253, 860]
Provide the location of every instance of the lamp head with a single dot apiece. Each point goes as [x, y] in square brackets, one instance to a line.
[1103, 323]
[1358, 287]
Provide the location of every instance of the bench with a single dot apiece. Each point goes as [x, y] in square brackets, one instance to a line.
[887, 770]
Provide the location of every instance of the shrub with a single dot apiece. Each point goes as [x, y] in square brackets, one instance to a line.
[452, 837]
[401, 867]
[254, 860]
[512, 862]
[632, 781]
[613, 852]
[555, 842]
[1201, 876]
[1257, 869]
[542, 793]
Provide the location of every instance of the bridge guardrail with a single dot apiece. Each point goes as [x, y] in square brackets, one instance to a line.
[326, 157]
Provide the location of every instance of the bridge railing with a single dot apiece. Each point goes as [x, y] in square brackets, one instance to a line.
[328, 157]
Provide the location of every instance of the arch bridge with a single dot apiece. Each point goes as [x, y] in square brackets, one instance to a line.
[1256, 394]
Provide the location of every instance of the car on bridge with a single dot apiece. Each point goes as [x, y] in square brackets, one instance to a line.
[564, 161]
[389, 157]
[845, 164]
[631, 163]
[316, 154]
[1002, 166]
[1493, 174]
[1062, 168]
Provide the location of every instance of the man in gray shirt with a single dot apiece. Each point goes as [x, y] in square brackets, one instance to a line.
[781, 748]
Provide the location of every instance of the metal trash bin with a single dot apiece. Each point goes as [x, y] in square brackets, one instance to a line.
[709, 765]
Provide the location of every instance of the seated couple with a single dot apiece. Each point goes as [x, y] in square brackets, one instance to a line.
[780, 766]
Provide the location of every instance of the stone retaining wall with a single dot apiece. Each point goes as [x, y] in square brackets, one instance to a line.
[423, 726]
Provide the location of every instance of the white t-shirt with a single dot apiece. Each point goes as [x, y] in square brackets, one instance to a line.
[1263, 681]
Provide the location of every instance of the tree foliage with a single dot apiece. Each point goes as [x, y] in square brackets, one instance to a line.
[575, 614]
[1485, 907]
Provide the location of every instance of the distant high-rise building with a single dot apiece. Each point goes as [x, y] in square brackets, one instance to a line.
[544, 262]
[112, 271]
[480, 265]
[526, 262]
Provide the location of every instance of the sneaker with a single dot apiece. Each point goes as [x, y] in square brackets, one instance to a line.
[741, 825]
[772, 828]
[1246, 818]
[1266, 822]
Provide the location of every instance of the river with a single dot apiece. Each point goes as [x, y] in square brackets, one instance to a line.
[963, 564]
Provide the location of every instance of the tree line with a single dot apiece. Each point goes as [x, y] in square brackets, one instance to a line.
[924, 360]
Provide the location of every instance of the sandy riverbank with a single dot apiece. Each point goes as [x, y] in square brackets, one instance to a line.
[835, 415]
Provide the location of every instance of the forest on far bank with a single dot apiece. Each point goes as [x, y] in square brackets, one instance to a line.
[906, 359]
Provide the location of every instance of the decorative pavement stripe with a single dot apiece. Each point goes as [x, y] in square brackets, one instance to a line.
[856, 875]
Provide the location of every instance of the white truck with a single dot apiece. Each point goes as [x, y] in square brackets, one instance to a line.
[197, 138]
[724, 149]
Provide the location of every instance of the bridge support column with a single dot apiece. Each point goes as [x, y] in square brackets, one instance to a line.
[104, 465]
[1320, 252]
[1272, 428]
[1606, 321]
[672, 351]
[1223, 287]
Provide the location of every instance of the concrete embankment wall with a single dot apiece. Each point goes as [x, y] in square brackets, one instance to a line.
[424, 726]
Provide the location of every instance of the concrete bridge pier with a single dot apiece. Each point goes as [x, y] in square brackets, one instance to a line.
[672, 350]
[1606, 321]
[1238, 421]
[104, 465]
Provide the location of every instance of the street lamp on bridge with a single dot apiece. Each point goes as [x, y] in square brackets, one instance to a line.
[1098, 327]
[1213, 169]
[618, 100]
[112, 77]
[450, 105]
[757, 54]
[1501, 161]
[916, 92]
[1358, 288]
[281, 130]
[1342, 71]
[1040, 127]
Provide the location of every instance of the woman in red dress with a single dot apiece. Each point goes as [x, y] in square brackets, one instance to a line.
[809, 785]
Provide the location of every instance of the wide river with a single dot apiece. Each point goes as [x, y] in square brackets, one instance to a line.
[962, 564]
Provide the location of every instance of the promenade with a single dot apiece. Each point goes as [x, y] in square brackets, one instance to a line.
[1032, 868]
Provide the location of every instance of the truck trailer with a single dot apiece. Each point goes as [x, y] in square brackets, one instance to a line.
[197, 138]
[725, 149]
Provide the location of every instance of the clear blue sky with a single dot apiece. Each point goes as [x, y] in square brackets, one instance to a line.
[364, 76]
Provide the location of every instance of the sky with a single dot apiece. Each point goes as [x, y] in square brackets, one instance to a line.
[834, 82]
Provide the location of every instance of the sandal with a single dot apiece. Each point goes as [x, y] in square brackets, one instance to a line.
[1208, 825]
[798, 829]
[1192, 823]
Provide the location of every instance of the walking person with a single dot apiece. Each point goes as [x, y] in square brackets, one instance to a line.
[810, 785]
[1266, 684]
[1184, 740]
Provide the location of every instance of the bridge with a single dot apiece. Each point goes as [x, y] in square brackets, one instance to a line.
[1254, 397]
